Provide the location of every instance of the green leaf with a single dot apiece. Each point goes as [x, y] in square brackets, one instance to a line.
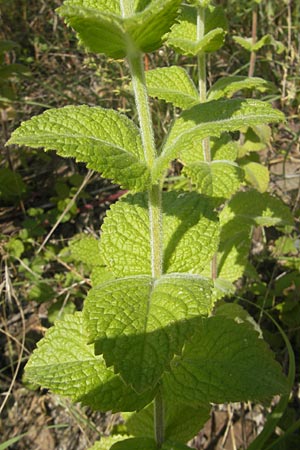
[182, 422]
[106, 442]
[139, 323]
[103, 31]
[224, 362]
[257, 175]
[245, 210]
[111, 6]
[100, 275]
[173, 85]
[190, 234]
[218, 179]
[209, 43]
[41, 292]
[7, 45]
[99, 31]
[66, 364]
[221, 148]
[227, 86]
[14, 247]
[211, 119]
[147, 444]
[147, 28]
[12, 187]
[135, 444]
[85, 249]
[247, 43]
[9, 70]
[11, 441]
[238, 314]
[256, 139]
[102, 138]
[183, 36]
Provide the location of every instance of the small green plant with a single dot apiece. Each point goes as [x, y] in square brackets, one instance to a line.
[151, 338]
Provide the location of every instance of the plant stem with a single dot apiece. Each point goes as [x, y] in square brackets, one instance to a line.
[127, 7]
[159, 419]
[201, 62]
[145, 121]
[142, 105]
[254, 39]
[154, 201]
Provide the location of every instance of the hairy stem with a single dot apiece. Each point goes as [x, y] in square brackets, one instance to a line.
[159, 419]
[154, 202]
[254, 39]
[201, 62]
[142, 105]
[127, 7]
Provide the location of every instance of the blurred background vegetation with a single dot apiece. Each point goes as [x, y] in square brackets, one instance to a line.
[47, 201]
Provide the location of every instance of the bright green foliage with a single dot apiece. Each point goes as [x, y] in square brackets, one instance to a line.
[183, 36]
[224, 361]
[228, 86]
[102, 138]
[256, 138]
[182, 422]
[103, 31]
[148, 333]
[139, 323]
[223, 148]
[248, 45]
[109, 6]
[147, 444]
[211, 119]
[86, 249]
[218, 179]
[106, 442]
[65, 355]
[242, 213]
[173, 85]
[190, 232]
[257, 175]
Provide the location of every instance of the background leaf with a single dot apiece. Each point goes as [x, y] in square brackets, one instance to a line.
[257, 175]
[211, 119]
[227, 86]
[245, 210]
[183, 36]
[218, 179]
[173, 85]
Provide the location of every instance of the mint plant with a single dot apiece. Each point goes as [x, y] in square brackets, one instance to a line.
[151, 338]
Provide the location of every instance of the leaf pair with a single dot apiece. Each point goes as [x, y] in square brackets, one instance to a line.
[105, 27]
[184, 36]
[223, 360]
